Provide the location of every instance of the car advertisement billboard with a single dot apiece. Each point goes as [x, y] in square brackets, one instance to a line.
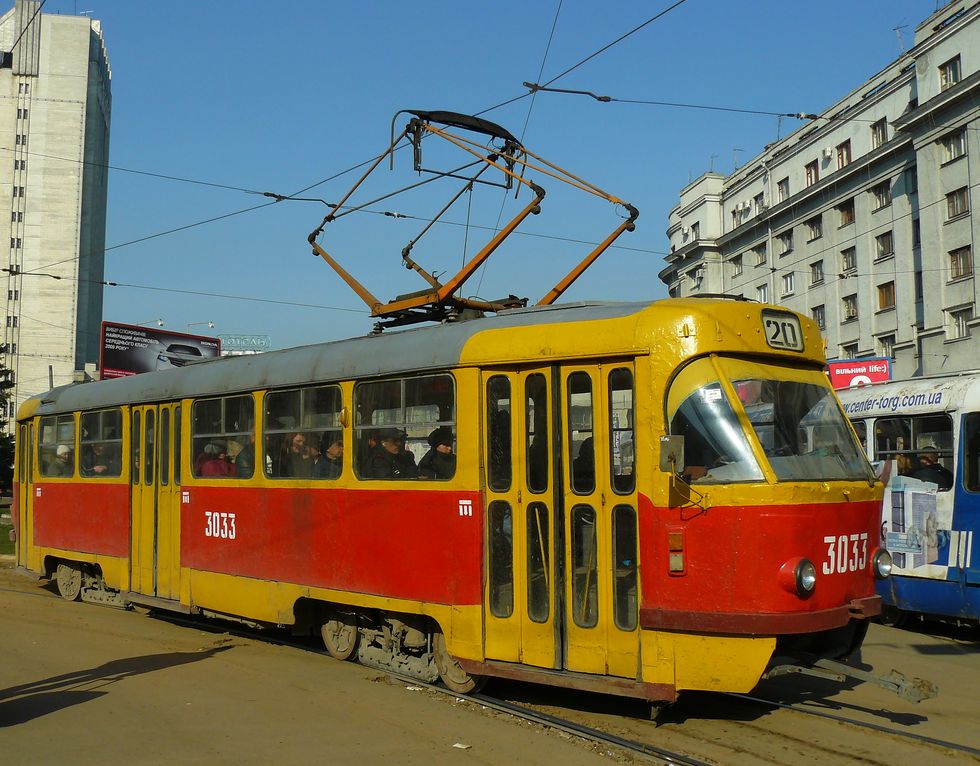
[131, 349]
[853, 373]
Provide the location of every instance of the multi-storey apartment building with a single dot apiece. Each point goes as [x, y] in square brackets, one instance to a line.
[55, 105]
[863, 217]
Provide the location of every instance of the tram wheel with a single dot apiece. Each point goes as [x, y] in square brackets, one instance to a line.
[892, 616]
[339, 632]
[453, 676]
[69, 580]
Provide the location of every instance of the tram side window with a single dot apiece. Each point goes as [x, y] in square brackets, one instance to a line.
[922, 447]
[221, 431]
[501, 569]
[536, 418]
[101, 443]
[585, 587]
[971, 452]
[304, 438]
[406, 428]
[621, 449]
[499, 431]
[581, 445]
[624, 567]
[56, 447]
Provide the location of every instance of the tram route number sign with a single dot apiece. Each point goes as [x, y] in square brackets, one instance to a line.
[782, 330]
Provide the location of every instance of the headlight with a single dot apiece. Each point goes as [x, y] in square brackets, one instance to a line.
[882, 564]
[799, 577]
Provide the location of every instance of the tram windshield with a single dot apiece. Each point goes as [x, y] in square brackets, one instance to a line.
[794, 417]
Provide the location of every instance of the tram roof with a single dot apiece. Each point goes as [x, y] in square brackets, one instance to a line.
[418, 349]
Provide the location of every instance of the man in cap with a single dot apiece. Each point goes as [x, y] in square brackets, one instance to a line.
[392, 460]
[930, 469]
[439, 462]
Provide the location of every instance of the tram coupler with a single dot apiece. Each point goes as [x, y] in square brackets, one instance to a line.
[913, 690]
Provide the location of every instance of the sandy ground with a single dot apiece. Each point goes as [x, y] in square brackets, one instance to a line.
[87, 684]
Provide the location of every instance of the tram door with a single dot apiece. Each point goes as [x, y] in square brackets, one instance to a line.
[155, 502]
[520, 584]
[25, 499]
[599, 519]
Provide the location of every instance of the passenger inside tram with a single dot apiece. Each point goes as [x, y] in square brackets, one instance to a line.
[439, 462]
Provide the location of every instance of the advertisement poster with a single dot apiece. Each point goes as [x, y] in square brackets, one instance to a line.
[854, 373]
[130, 349]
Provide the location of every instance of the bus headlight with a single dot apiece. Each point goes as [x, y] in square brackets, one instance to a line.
[882, 564]
[799, 577]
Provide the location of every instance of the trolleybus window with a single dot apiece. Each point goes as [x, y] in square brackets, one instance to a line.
[621, 430]
[56, 447]
[585, 587]
[498, 433]
[221, 430]
[399, 422]
[538, 571]
[581, 445]
[536, 418]
[101, 443]
[304, 438]
[501, 569]
[624, 567]
[922, 447]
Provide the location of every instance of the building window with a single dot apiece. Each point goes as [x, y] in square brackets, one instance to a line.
[886, 345]
[785, 241]
[843, 154]
[812, 173]
[960, 262]
[814, 228]
[918, 286]
[849, 351]
[15, 242]
[16, 217]
[819, 316]
[886, 296]
[762, 293]
[760, 255]
[957, 203]
[882, 194]
[884, 245]
[846, 212]
[760, 203]
[911, 180]
[11, 321]
[816, 273]
[848, 259]
[782, 190]
[788, 283]
[849, 306]
[13, 295]
[950, 73]
[737, 266]
[696, 230]
[20, 164]
[959, 320]
[954, 145]
[879, 133]
[21, 114]
[916, 233]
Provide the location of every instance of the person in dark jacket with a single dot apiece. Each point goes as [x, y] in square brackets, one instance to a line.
[391, 460]
[439, 462]
[930, 469]
[330, 464]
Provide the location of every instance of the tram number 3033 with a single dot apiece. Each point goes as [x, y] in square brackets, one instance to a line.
[219, 524]
[846, 553]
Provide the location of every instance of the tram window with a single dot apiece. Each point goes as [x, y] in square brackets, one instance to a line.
[971, 452]
[621, 450]
[585, 588]
[499, 433]
[538, 570]
[165, 447]
[134, 439]
[501, 574]
[581, 446]
[223, 437]
[149, 436]
[536, 418]
[921, 445]
[177, 449]
[304, 438]
[399, 425]
[101, 443]
[624, 567]
[861, 429]
[56, 447]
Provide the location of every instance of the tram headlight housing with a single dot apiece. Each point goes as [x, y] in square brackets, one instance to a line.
[799, 577]
[882, 564]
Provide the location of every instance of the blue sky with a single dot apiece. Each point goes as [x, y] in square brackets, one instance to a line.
[279, 96]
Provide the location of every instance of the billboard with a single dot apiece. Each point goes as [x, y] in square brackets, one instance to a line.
[852, 373]
[130, 349]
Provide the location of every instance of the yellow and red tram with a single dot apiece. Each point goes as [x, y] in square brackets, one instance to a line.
[645, 498]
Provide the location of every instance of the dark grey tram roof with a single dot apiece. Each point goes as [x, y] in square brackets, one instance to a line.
[425, 348]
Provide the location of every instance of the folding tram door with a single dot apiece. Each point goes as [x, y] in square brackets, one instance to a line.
[25, 496]
[155, 481]
[561, 585]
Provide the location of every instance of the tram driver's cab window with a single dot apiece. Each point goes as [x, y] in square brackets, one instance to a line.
[304, 438]
[223, 437]
[56, 446]
[406, 429]
[921, 446]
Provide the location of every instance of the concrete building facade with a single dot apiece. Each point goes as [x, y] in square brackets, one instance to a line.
[55, 107]
[863, 217]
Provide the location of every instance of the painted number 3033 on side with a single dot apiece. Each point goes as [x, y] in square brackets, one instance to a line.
[846, 553]
[219, 524]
